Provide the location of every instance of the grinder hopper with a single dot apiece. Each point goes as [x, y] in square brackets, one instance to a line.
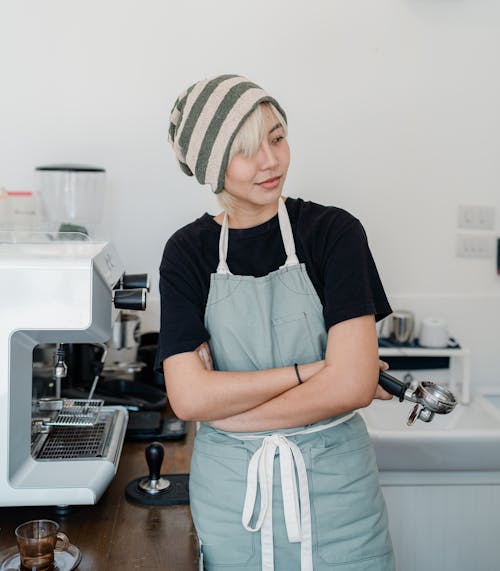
[71, 197]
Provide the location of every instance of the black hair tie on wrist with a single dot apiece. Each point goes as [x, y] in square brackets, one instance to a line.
[296, 367]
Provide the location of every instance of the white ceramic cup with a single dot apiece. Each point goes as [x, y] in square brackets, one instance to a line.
[433, 332]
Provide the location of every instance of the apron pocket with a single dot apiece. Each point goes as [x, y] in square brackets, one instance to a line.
[348, 506]
[225, 555]
[217, 485]
[294, 340]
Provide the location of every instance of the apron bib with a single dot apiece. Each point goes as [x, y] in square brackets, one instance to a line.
[316, 486]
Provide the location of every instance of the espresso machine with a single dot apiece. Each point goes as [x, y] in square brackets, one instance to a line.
[57, 289]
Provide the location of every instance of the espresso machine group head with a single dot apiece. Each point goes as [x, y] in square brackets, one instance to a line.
[56, 289]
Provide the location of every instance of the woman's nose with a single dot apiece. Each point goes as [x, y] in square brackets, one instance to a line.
[268, 158]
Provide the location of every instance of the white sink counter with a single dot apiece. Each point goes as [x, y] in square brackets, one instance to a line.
[441, 483]
[466, 439]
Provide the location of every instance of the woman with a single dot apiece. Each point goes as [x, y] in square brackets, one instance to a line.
[282, 296]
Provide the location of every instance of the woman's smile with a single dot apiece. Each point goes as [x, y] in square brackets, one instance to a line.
[270, 182]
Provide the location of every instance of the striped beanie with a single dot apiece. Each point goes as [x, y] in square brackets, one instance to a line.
[205, 120]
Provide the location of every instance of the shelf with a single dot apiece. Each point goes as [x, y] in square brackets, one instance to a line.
[459, 364]
[420, 352]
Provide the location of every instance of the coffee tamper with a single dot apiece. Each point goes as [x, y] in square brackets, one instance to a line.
[155, 489]
[154, 483]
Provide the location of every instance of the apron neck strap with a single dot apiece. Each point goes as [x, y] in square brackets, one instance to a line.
[223, 268]
[286, 235]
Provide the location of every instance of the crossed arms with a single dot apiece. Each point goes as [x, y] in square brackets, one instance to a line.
[270, 399]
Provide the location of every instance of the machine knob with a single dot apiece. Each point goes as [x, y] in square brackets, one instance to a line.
[130, 299]
[135, 281]
[154, 483]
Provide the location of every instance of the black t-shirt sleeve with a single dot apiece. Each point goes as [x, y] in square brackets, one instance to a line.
[352, 285]
[182, 306]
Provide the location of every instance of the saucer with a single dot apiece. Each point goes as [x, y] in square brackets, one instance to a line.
[10, 559]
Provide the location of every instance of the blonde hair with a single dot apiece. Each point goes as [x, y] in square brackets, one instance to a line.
[247, 142]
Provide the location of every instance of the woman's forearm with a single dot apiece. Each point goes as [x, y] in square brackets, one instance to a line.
[264, 400]
[204, 394]
[323, 396]
[240, 391]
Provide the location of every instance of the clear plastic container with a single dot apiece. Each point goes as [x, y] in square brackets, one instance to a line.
[72, 197]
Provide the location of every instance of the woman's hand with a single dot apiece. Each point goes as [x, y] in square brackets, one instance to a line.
[206, 356]
[381, 393]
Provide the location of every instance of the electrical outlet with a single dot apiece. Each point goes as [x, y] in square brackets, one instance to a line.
[475, 245]
[475, 217]
[486, 218]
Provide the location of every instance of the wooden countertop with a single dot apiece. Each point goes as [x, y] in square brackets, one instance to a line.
[117, 535]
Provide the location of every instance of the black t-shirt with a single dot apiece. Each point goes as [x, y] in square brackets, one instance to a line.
[331, 242]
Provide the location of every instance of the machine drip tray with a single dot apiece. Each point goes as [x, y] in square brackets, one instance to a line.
[75, 443]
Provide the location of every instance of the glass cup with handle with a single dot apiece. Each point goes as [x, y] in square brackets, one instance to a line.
[37, 541]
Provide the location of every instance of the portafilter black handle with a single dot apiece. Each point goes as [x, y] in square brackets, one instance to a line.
[393, 385]
[154, 458]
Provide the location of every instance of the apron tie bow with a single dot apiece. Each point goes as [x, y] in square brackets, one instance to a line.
[296, 505]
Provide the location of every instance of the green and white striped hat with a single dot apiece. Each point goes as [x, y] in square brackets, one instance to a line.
[204, 121]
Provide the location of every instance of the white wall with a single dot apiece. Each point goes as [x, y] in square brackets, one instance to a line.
[393, 110]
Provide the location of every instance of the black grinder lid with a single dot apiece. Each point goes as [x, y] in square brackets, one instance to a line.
[68, 167]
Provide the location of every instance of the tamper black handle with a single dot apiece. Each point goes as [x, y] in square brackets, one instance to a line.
[393, 385]
[154, 458]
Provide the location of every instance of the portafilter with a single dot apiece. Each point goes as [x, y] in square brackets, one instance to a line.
[429, 397]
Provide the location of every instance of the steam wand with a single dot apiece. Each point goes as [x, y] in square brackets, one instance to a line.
[60, 369]
[99, 368]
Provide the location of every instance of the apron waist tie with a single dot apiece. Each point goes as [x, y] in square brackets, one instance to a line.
[296, 505]
[297, 518]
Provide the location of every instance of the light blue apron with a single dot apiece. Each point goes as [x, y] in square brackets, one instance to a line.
[320, 504]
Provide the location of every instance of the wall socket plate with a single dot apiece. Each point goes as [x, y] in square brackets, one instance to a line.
[473, 245]
[476, 217]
